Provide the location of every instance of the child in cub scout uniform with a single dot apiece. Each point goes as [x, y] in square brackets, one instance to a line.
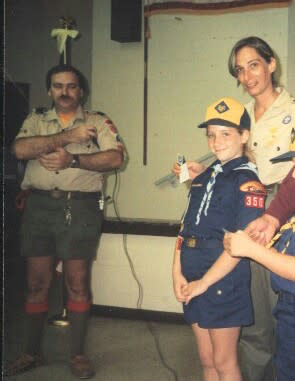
[226, 196]
[280, 260]
[253, 63]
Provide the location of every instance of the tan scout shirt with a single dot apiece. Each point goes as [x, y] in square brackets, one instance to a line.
[271, 136]
[69, 179]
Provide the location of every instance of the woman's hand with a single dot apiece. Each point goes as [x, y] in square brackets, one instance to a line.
[263, 228]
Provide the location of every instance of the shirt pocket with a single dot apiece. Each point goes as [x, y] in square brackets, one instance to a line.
[222, 291]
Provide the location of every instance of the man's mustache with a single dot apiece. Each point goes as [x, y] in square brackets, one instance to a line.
[65, 97]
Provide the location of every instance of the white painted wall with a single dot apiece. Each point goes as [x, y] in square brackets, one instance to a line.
[187, 70]
[112, 280]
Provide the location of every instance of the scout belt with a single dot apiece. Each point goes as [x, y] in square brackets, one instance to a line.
[60, 194]
[194, 242]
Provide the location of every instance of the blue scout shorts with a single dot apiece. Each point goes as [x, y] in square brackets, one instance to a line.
[284, 312]
[45, 231]
[225, 304]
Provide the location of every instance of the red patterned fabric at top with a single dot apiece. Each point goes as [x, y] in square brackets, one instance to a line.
[161, 6]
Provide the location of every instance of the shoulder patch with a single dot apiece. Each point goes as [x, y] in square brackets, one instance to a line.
[40, 110]
[255, 194]
[253, 187]
[111, 126]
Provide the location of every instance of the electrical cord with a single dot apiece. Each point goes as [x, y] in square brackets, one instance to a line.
[157, 344]
[140, 287]
[131, 265]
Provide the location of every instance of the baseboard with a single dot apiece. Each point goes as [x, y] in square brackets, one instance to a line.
[137, 314]
[140, 227]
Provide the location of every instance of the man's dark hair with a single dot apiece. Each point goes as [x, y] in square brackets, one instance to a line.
[261, 47]
[66, 68]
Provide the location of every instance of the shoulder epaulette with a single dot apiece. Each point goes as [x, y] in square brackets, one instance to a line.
[98, 113]
[249, 166]
[40, 110]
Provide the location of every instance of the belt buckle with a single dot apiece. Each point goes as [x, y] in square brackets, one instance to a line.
[191, 242]
[56, 193]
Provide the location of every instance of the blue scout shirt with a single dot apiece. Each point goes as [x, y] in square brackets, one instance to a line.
[235, 198]
[286, 244]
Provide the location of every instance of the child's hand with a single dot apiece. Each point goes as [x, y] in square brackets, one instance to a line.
[193, 289]
[179, 283]
[194, 169]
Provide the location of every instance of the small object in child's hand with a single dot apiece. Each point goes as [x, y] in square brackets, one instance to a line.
[180, 159]
[184, 174]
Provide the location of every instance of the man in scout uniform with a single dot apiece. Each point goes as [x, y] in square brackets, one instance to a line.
[68, 149]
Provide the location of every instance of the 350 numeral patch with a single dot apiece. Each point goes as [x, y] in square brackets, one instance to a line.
[252, 201]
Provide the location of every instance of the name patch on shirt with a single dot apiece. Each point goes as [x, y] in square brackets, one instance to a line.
[255, 197]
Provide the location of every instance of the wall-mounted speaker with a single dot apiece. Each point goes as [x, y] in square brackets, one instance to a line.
[126, 18]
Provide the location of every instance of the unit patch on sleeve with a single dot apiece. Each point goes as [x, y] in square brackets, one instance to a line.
[252, 201]
[255, 194]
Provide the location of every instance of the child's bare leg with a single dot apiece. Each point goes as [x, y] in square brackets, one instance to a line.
[225, 349]
[205, 349]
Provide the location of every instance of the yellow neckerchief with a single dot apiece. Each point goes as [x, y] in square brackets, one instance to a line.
[289, 225]
[65, 117]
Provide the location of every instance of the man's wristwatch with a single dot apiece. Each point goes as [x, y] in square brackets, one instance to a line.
[75, 162]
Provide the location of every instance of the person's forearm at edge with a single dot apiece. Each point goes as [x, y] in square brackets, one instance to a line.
[221, 267]
[281, 264]
[102, 161]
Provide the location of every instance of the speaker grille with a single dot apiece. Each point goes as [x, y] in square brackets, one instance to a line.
[126, 18]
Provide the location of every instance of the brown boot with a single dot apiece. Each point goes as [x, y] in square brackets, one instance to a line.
[81, 367]
[24, 363]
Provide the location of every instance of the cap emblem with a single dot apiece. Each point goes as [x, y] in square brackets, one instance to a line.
[221, 107]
